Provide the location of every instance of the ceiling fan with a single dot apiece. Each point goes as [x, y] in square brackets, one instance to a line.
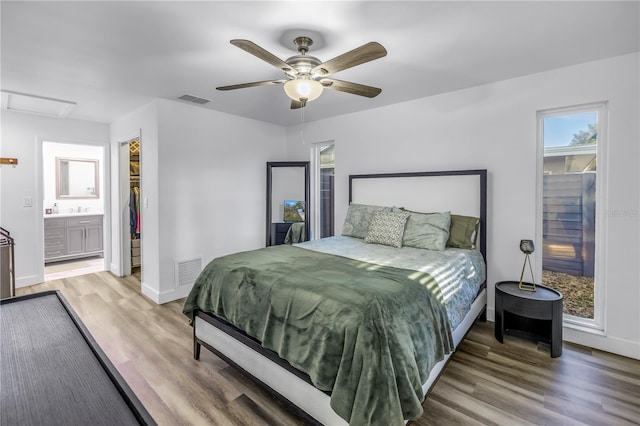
[306, 76]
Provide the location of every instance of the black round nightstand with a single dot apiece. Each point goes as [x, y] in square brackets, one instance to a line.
[538, 312]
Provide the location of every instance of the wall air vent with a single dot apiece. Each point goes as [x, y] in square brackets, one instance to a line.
[194, 99]
[187, 271]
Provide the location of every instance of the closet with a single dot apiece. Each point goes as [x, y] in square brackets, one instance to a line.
[134, 202]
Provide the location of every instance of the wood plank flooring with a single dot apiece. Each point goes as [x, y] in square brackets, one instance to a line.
[485, 382]
[72, 268]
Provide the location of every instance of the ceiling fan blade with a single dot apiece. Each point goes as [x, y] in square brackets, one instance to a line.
[360, 55]
[349, 87]
[259, 52]
[297, 104]
[254, 84]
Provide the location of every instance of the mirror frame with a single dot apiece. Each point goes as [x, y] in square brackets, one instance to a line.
[307, 192]
[96, 163]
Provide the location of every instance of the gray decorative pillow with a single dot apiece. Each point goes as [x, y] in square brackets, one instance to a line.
[387, 228]
[358, 218]
[427, 231]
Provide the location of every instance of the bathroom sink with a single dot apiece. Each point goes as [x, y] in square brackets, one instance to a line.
[69, 214]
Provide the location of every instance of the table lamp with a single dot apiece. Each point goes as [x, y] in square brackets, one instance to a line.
[527, 247]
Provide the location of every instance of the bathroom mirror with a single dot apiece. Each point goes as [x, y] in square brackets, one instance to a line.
[77, 178]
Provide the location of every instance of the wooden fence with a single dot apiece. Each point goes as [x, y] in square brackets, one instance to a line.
[569, 223]
[326, 202]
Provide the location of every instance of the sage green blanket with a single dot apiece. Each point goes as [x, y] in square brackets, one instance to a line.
[366, 333]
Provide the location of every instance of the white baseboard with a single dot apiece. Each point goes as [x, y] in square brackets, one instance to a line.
[27, 281]
[115, 269]
[612, 344]
[166, 296]
[150, 292]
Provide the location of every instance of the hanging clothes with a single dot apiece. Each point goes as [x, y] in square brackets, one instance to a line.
[133, 211]
[137, 191]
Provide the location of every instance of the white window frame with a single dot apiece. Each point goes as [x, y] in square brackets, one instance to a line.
[595, 325]
[315, 186]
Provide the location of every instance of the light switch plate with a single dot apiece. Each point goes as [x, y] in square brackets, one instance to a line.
[28, 202]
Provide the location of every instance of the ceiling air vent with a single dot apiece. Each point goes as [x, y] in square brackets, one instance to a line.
[194, 99]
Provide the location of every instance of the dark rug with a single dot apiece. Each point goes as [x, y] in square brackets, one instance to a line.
[50, 374]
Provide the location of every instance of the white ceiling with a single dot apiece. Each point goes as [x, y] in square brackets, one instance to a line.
[112, 57]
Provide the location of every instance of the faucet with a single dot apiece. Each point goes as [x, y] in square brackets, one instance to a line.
[79, 209]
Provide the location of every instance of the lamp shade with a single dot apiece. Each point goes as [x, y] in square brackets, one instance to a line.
[299, 89]
[526, 246]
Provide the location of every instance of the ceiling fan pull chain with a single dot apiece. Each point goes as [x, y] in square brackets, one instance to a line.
[302, 121]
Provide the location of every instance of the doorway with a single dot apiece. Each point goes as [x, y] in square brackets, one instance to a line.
[130, 207]
[73, 209]
[134, 206]
[323, 155]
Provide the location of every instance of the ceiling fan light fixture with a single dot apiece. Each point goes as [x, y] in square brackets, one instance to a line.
[306, 74]
[299, 89]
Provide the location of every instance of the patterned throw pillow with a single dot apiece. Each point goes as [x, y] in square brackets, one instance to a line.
[387, 228]
[358, 219]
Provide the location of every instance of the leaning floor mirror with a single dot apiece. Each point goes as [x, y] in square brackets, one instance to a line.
[288, 209]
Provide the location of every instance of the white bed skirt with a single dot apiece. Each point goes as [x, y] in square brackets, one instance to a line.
[310, 399]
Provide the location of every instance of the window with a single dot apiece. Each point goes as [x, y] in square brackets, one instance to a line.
[571, 205]
[324, 172]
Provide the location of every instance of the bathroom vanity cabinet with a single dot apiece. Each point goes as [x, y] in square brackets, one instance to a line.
[71, 237]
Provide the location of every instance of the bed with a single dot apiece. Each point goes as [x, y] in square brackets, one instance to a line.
[355, 328]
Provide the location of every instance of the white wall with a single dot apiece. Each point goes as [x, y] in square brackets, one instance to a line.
[204, 177]
[212, 185]
[22, 138]
[494, 127]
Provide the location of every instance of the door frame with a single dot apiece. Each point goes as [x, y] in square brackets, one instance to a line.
[38, 203]
[123, 234]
